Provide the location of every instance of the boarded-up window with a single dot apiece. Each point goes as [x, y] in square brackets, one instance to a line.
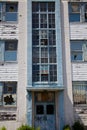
[80, 92]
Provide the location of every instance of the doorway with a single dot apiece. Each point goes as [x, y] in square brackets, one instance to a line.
[44, 110]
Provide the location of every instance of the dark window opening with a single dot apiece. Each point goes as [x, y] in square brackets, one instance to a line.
[39, 109]
[44, 41]
[50, 109]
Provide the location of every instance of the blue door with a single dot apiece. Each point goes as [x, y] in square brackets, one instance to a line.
[45, 110]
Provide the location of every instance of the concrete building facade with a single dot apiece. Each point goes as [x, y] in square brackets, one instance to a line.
[42, 63]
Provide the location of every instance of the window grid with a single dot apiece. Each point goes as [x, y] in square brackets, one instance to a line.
[43, 38]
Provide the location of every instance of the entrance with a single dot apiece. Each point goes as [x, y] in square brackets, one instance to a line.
[45, 110]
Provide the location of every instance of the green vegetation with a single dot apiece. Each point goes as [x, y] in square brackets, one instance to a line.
[66, 127]
[27, 127]
[78, 126]
[3, 128]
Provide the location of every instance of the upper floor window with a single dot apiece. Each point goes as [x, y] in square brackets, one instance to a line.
[78, 50]
[79, 92]
[77, 12]
[43, 15]
[8, 11]
[8, 50]
[8, 93]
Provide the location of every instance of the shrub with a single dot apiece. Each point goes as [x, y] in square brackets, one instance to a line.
[78, 126]
[26, 127]
[37, 128]
[3, 128]
[66, 127]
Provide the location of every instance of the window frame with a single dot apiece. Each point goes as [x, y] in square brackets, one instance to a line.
[6, 54]
[79, 93]
[9, 16]
[45, 39]
[79, 49]
[8, 98]
[73, 16]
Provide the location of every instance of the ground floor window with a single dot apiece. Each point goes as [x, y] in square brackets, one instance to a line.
[8, 93]
[80, 92]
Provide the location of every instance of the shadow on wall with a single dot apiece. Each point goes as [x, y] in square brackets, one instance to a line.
[77, 112]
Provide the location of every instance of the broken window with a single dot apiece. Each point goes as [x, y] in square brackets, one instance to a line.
[77, 11]
[8, 11]
[8, 91]
[43, 41]
[78, 50]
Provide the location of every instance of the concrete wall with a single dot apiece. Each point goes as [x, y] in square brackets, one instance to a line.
[16, 71]
[68, 100]
[22, 62]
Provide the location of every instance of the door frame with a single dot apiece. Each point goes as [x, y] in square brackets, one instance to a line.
[56, 108]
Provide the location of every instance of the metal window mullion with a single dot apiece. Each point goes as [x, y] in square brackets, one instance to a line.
[48, 44]
[1, 12]
[48, 57]
[39, 47]
[82, 12]
[47, 14]
[39, 59]
[86, 94]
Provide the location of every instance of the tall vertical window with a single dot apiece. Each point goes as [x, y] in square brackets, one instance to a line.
[43, 42]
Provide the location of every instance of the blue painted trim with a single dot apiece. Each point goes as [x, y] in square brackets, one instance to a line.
[59, 44]
[29, 62]
[44, 85]
[2, 49]
[61, 110]
[29, 42]
[29, 108]
[43, 0]
[1, 93]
